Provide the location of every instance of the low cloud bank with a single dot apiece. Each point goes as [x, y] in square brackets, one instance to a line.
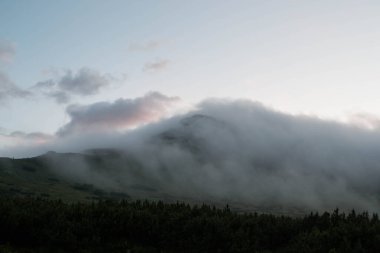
[231, 150]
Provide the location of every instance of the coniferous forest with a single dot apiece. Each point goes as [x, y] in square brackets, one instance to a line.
[39, 225]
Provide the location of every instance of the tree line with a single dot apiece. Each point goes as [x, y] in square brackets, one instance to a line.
[41, 225]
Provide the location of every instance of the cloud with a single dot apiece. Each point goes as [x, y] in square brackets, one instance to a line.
[156, 65]
[365, 120]
[60, 97]
[8, 89]
[84, 82]
[19, 140]
[121, 114]
[238, 150]
[147, 46]
[234, 151]
[31, 136]
[47, 84]
[7, 51]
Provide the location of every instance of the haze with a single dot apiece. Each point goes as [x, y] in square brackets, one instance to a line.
[282, 93]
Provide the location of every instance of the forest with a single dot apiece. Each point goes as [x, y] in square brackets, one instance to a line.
[41, 225]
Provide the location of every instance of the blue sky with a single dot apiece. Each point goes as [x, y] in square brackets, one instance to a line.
[311, 57]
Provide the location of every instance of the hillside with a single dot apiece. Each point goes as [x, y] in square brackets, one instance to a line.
[32, 177]
[41, 177]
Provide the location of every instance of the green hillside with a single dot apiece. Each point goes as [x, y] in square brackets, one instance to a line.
[32, 177]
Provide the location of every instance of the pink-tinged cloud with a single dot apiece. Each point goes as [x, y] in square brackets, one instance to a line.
[365, 120]
[118, 115]
[19, 138]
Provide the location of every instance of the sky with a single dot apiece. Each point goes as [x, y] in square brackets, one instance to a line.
[68, 61]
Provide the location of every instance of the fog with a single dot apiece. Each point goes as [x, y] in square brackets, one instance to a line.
[234, 151]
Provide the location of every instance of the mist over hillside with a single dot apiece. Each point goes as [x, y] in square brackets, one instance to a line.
[232, 150]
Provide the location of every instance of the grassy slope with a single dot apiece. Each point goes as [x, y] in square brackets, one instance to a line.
[31, 177]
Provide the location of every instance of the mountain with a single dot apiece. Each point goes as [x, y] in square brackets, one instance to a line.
[192, 161]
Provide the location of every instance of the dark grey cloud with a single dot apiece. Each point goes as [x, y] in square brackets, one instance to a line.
[84, 82]
[123, 113]
[156, 65]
